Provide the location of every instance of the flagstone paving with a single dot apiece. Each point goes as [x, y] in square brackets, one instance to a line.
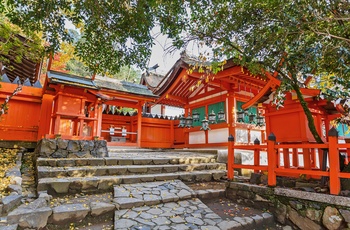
[171, 205]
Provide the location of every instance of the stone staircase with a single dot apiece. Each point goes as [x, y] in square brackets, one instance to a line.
[130, 189]
[89, 175]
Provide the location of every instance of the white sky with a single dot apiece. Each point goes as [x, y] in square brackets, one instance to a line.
[159, 55]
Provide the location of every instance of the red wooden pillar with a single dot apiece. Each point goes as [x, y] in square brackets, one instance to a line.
[271, 159]
[334, 167]
[306, 157]
[185, 131]
[313, 158]
[286, 158]
[231, 113]
[295, 158]
[320, 157]
[45, 116]
[139, 124]
[99, 118]
[230, 157]
[172, 134]
[56, 129]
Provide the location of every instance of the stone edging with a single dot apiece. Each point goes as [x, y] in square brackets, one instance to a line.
[60, 148]
[306, 210]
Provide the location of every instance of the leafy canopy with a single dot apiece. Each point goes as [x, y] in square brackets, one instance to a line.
[16, 45]
[312, 37]
[295, 38]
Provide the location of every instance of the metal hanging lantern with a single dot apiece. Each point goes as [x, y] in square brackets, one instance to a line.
[221, 115]
[240, 116]
[212, 117]
[205, 124]
[189, 122]
[252, 118]
[182, 122]
[260, 120]
[195, 116]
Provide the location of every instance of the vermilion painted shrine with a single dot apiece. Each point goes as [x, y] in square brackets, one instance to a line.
[75, 107]
[232, 102]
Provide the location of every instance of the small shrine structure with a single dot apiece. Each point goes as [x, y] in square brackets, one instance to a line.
[212, 104]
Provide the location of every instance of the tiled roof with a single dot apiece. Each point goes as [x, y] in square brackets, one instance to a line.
[122, 86]
[69, 79]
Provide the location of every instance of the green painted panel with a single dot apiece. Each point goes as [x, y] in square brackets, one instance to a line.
[251, 110]
[216, 108]
[343, 130]
[201, 111]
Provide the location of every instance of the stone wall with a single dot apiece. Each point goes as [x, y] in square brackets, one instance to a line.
[60, 148]
[306, 210]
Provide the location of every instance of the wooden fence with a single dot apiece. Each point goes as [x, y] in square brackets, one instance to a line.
[319, 160]
[22, 120]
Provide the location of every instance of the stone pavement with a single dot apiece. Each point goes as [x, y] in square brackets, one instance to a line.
[172, 205]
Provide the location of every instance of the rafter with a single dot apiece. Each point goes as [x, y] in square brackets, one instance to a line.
[177, 98]
[258, 96]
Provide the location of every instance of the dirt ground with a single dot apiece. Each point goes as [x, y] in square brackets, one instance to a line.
[228, 209]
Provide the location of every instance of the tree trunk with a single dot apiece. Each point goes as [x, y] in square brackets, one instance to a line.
[310, 119]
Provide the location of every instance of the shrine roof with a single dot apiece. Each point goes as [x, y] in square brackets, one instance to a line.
[151, 79]
[26, 70]
[179, 87]
[99, 83]
[56, 77]
[123, 86]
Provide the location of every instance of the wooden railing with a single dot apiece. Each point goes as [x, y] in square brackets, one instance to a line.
[327, 164]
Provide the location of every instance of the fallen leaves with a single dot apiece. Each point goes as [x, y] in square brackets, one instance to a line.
[7, 161]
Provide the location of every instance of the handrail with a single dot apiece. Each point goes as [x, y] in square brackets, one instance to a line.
[291, 152]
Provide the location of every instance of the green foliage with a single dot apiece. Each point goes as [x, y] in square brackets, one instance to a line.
[297, 39]
[315, 35]
[14, 43]
[114, 33]
[76, 67]
[127, 73]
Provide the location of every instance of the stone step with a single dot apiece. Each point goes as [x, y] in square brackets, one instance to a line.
[71, 162]
[82, 171]
[104, 183]
[150, 193]
[209, 193]
[114, 149]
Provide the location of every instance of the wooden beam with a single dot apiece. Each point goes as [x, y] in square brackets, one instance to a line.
[177, 98]
[122, 103]
[274, 79]
[257, 96]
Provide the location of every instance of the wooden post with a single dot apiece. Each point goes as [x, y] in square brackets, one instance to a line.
[57, 125]
[230, 157]
[172, 134]
[271, 159]
[286, 158]
[99, 111]
[295, 158]
[306, 158]
[313, 158]
[256, 155]
[45, 116]
[231, 113]
[139, 125]
[334, 167]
